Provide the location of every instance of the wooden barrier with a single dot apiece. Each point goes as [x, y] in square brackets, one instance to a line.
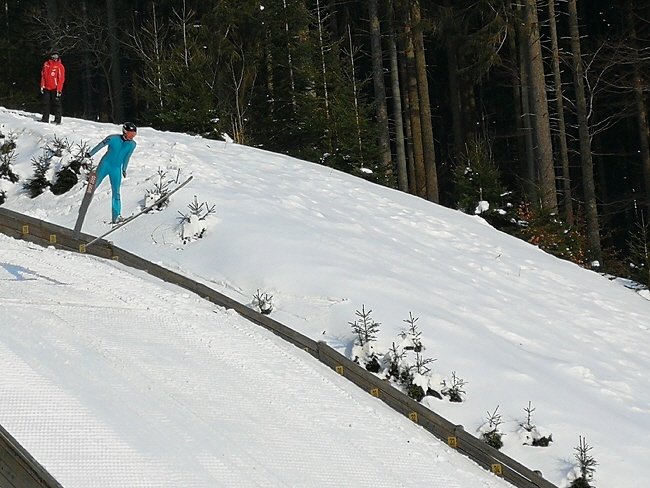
[18, 469]
[40, 232]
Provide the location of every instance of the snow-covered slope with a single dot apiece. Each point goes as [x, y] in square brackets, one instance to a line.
[517, 324]
[111, 379]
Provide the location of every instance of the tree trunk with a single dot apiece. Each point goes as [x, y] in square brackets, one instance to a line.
[400, 147]
[545, 169]
[323, 48]
[516, 92]
[431, 173]
[380, 91]
[589, 187]
[88, 105]
[644, 134]
[559, 103]
[117, 99]
[641, 110]
[528, 164]
[406, 106]
[454, 92]
[419, 177]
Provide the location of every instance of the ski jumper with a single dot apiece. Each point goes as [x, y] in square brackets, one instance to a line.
[52, 79]
[113, 165]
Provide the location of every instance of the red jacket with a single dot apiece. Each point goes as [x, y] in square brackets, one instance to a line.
[53, 75]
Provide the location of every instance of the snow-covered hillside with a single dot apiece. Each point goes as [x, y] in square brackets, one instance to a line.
[516, 324]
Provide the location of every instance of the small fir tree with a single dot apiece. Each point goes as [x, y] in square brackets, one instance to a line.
[395, 356]
[366, 330]
[57, 147]
[412, 336]
[640, 255]
[586, 464]
[38, 183]
[477, 180]
[490, 430]
[530, 431]
[263, 302]
[455, 390]
[193, 225]
[365, 327]
[160, 189]
[6, 172]
[8, 143]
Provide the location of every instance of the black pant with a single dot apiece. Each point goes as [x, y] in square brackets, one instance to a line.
[51, 100]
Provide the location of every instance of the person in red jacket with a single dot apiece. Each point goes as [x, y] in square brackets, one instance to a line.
[52, 79]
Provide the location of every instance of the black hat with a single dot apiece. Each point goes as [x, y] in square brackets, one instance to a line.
[129, 127]
[54, 53]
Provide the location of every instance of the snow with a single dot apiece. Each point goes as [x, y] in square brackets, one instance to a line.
[102, 366]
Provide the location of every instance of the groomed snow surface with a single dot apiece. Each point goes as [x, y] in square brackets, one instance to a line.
[111, 378]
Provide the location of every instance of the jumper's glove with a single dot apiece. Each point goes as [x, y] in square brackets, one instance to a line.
[42, 91]
[58, 94]
[124, 174]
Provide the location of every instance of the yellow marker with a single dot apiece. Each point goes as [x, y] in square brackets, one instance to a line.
[413, 416]
[497, 469]
[52, 238]
[339, 369]
[82, 248]
[452, 441]
[375, 392]
[25, 229]
[115, 258]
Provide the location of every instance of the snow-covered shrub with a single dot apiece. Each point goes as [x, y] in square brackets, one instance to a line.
[8, 143]
[363, 352]
[38, 183]
[70, 167]
[412, 336]
[264, 303]
[530, 434]
[364, 327]
[418, 380]
[394, 359]
[586, 466]
[57, 147]
[64, 180]
[61, 174]
[193, 224]
[454, 388]
[367, 356]
[160, 190]
[6, 160]
[404, 365]
[489, 431]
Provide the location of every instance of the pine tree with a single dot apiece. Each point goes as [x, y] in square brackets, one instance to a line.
[640, 255]
[365, 327]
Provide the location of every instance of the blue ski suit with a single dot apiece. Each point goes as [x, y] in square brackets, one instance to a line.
[113, 165]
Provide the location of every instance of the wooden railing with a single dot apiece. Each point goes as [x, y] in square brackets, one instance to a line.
[18, 469]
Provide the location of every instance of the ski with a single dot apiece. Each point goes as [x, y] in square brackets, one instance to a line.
[144, 210]
[85, 203]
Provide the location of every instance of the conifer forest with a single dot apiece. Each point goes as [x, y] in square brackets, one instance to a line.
[532, 113]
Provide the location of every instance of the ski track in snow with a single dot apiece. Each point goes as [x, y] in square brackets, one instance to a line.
[184, 394]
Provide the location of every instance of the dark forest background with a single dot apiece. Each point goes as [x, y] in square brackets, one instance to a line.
[536, 107]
